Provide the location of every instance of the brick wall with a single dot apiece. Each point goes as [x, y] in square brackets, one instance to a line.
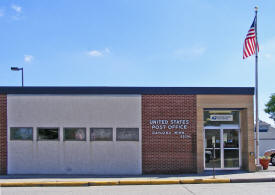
[170, 149]
[3, 134]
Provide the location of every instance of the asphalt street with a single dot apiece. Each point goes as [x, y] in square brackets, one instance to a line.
[188, 189]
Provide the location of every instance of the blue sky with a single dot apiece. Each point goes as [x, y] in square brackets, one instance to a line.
[185, 43]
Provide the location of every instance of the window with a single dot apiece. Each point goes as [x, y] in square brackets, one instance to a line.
[127, 134]
[218, 117]
[21, 133]
[77, 134]
[101, 134]
[47, 134]
[263, 129]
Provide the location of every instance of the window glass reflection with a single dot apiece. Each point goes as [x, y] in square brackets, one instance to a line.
[230, 138]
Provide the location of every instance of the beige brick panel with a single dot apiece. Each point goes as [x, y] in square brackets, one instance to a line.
[244, 102]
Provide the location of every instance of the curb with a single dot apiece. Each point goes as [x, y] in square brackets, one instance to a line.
[253, 180]
[42, 184]
[102, 183]
[133, 182]
[201, 181]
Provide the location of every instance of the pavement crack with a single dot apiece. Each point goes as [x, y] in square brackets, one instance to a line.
[185, 187]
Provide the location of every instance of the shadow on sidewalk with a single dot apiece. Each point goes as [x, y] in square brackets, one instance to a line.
[82, 176]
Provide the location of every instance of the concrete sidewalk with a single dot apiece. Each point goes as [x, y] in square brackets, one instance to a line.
[91, 180]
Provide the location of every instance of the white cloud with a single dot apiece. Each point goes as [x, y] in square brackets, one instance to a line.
[95, 53]
[265, 117]
[16, 8]
[98, 53]
[190, 52]
[28, 58]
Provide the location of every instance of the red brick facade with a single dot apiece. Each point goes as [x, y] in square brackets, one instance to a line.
[3, 134]
[169, 133]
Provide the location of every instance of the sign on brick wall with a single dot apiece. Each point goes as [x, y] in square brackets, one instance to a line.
[170, 127]
[169, 133]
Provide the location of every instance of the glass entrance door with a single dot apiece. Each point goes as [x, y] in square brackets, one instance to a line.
[224, 145]
[231, 148]
[212, 148]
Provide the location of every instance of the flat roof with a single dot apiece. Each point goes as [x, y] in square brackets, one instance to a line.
[129, 90]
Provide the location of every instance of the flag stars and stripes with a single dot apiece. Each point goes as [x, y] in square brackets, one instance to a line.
[250, 42]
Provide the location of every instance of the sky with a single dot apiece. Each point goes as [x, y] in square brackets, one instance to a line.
[181, 43]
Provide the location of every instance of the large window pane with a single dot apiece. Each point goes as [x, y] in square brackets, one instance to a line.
[231, 158]
[101, 134]
[230, 138]
[127, 134]
[210, 161]
[77, 134]
[21, 133]
[212, 136]
[47, 134]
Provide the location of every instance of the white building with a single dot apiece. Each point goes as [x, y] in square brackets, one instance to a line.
[266, 137]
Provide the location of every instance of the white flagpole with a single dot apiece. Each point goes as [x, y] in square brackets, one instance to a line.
[256, 90]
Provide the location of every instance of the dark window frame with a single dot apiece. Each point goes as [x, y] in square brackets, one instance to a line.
[37, 133]
[85, 130]
[11, 139]
[127, 140]
[110, 128]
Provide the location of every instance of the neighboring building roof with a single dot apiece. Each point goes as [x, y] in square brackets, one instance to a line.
[263, 126]
[130, 90]
[266, 131]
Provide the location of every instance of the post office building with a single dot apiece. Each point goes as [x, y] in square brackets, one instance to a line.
[125, 130]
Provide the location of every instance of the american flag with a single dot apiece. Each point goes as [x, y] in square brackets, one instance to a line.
[250, 41]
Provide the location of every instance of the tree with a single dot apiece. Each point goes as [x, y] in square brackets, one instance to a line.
[270, 107]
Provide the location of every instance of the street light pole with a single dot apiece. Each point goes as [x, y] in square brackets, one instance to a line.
[22, 77]
[17, 69]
